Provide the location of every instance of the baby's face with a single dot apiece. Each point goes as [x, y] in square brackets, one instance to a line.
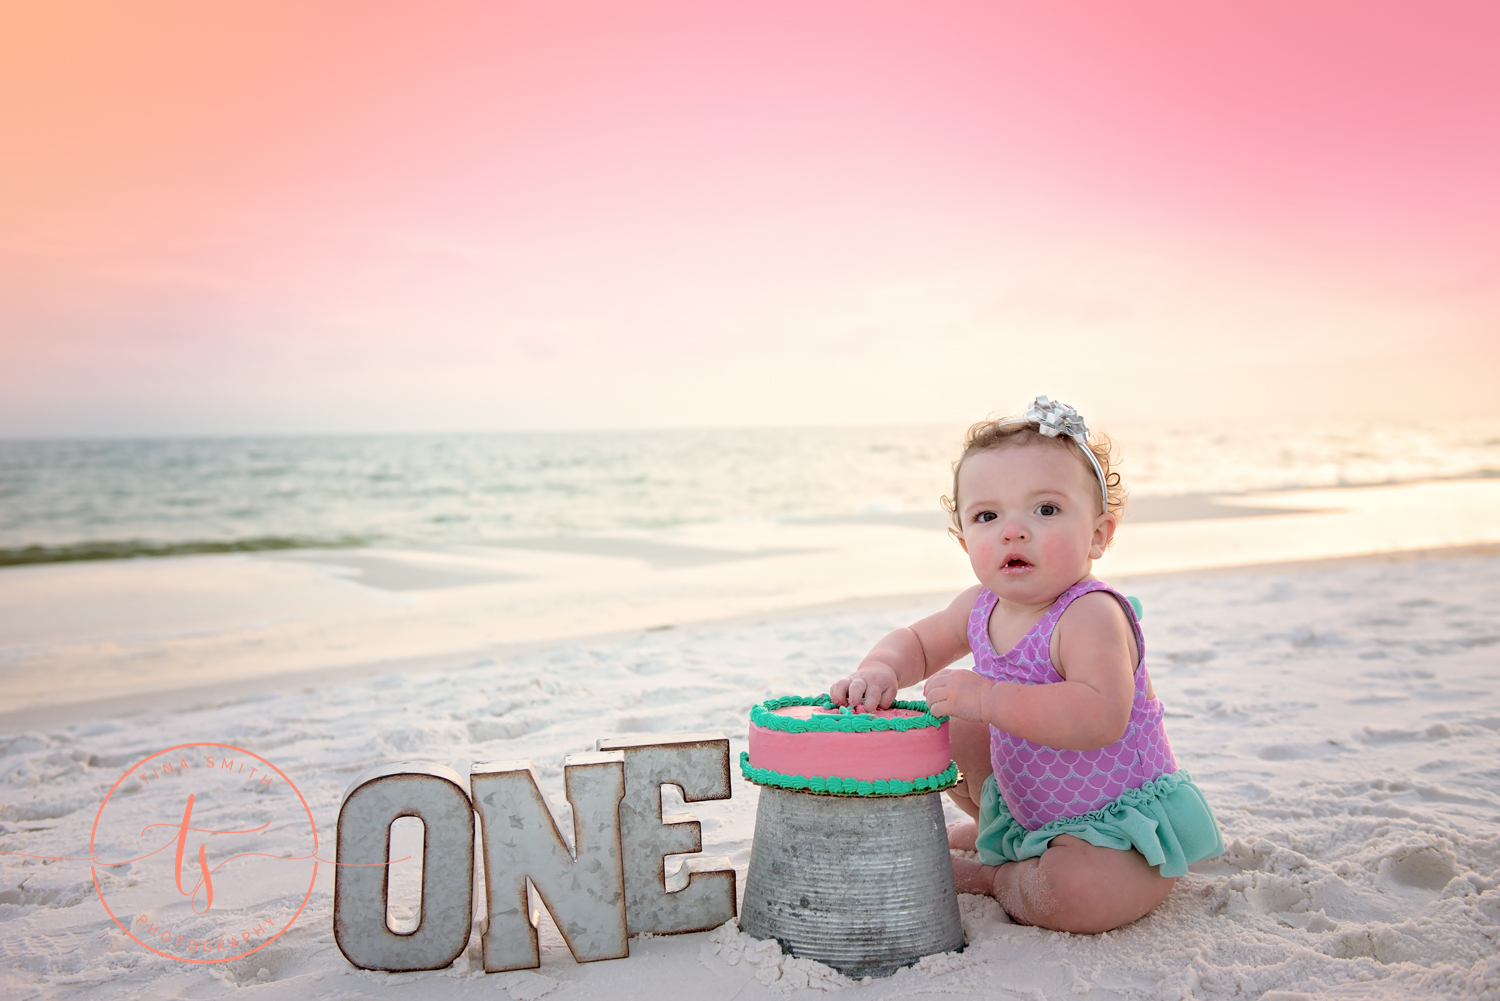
[1031, 521]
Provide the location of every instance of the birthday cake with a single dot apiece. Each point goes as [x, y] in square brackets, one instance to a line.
[812, 745]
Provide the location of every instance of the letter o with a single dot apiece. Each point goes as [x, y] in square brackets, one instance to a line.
[377, 798]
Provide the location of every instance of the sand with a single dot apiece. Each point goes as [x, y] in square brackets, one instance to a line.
[1344, 721]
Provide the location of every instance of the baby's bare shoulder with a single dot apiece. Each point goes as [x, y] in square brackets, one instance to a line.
[964, 603]
[1093, 625]
[956, 615]
[1097, 609]
[949, 627]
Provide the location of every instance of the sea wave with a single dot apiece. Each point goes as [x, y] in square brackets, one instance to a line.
[110, 549]
[170, 497]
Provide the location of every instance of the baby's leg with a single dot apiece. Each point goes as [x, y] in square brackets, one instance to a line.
[971, 749]
[1072, 886]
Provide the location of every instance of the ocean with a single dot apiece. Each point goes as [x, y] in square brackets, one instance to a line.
[66, 500]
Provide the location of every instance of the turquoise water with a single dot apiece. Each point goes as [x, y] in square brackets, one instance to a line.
[63, 500]
[100, 499]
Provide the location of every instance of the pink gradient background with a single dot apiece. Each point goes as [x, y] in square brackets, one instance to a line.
[241, 217]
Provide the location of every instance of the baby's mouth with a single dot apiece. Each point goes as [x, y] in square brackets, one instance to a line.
[1015, 565]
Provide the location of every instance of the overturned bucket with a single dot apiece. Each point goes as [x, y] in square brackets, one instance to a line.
[862, 882]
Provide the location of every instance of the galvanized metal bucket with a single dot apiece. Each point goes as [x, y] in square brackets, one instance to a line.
[861, 883]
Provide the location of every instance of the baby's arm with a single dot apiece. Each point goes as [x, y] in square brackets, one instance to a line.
[1094, 652]
[907, 655]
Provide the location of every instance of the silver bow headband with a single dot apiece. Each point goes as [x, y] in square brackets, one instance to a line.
[1053, 419]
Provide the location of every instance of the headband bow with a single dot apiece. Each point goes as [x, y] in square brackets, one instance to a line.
[1053, 418]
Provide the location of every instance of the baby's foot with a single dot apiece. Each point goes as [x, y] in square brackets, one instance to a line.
[969, 876]
[962, 834]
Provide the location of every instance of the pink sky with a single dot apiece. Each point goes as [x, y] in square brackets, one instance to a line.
[246, 217]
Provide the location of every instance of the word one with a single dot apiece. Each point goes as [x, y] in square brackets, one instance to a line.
[610, 886]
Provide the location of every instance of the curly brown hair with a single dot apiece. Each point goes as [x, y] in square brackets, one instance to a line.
[1005, 432]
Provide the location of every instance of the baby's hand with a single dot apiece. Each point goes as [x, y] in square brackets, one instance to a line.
[872, 686]
[957, 692]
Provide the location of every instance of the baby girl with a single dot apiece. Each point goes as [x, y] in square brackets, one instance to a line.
[1080, 816]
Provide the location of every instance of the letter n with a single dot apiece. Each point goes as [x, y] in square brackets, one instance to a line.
[584, 891]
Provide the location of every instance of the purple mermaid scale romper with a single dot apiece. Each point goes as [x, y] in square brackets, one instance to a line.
[1130, 794]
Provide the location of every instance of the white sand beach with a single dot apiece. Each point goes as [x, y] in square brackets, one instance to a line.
[1342, 714]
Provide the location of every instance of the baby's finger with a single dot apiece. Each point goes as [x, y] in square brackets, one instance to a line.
[839, 692]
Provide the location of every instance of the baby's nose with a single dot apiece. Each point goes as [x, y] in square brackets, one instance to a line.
[1014, 528]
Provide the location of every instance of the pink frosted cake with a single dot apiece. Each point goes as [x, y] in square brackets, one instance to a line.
[811, 745]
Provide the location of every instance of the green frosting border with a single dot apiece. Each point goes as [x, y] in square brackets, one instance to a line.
[832, 786]
[847, 721]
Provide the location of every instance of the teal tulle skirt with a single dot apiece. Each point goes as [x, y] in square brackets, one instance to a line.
[1167, 820]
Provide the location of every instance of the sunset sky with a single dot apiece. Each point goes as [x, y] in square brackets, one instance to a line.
[313, 217]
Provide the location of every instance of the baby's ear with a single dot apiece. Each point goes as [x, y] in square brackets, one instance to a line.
[1104, 534]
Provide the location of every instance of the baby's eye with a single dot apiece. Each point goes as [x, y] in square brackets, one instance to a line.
[1046, 510]
[986, 516]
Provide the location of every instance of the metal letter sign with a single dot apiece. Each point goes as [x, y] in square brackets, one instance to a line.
[584, 892]
[610, 884]
[697, 763]
[377, 799]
